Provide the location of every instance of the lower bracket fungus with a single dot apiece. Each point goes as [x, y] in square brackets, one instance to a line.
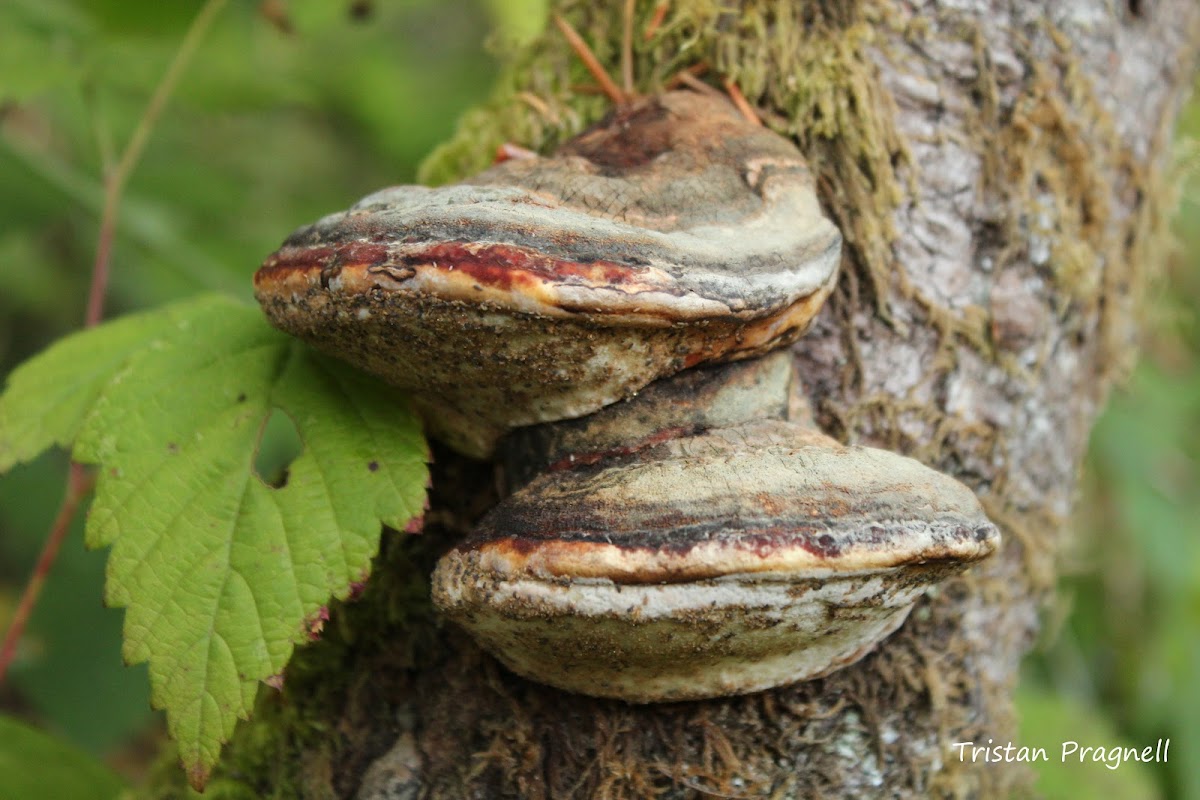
[703, 564]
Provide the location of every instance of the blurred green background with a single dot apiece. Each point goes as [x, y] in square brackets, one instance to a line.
[294, 109]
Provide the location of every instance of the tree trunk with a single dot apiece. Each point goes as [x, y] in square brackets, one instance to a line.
[998, 170]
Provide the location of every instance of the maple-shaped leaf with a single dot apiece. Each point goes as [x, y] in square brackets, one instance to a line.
[220, 574]
[48, 397]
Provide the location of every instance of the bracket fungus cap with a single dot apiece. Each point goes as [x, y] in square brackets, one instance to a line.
[728, 562]
[673, 233]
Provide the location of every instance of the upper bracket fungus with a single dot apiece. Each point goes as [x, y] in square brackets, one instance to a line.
[672, 234]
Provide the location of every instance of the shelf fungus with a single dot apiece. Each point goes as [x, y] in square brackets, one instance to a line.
[692, 565]
[606, 315]
[672, 234]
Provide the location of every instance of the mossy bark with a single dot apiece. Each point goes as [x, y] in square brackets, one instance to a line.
[999, 172]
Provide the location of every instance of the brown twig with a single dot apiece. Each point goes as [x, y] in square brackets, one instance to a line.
[590, 61]
[539, 105]
[656, 20]
[684, 75]
[689, 80]
[512, 152]
[627, 49]
[79, 480]
[739, 100]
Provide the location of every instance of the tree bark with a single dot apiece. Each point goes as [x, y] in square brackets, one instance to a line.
[999, 172]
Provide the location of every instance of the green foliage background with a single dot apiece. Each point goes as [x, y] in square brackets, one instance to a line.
[278, 122]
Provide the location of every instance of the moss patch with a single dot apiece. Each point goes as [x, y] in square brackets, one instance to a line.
[1090, 211]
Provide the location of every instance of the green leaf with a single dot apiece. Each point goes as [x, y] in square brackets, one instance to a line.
[48, 396]
[34, 766]
[221, 574]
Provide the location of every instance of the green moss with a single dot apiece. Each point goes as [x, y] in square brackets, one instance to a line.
[1060, 164]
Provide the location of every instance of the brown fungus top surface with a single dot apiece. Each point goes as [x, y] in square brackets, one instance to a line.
[767, 497]
[674, 208]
